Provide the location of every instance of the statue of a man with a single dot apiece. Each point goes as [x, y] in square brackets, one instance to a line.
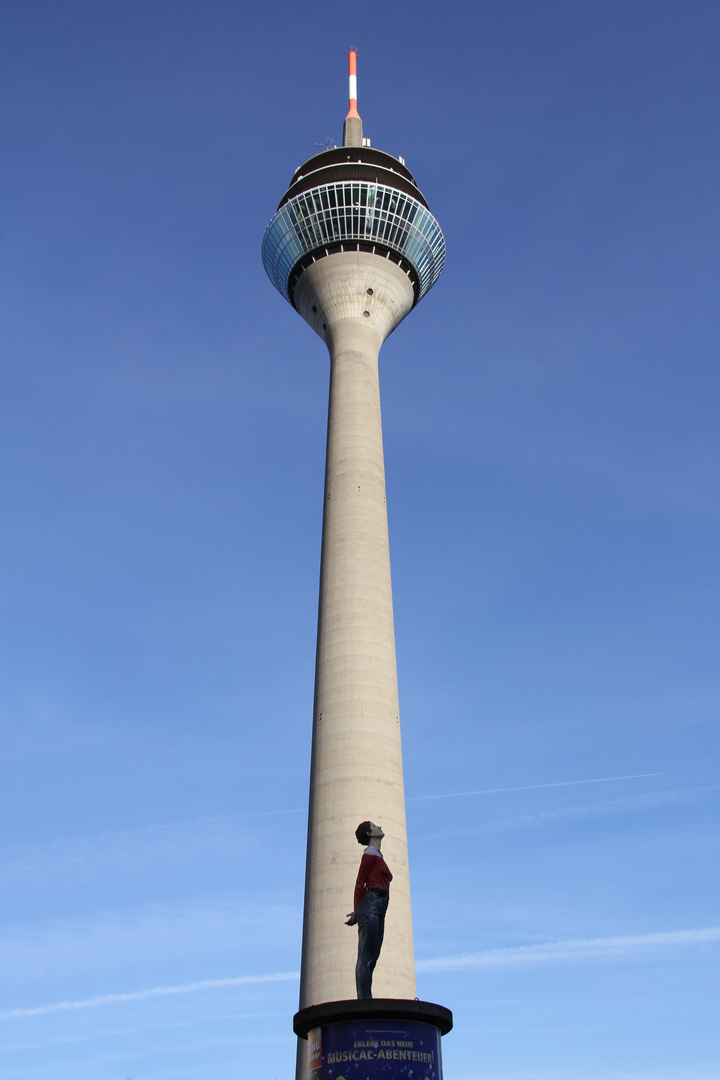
[372, 892]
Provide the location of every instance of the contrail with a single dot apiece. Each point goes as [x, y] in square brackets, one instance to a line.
[583, 949]
[159, 829]
[532, 787]
[552, 951]
[143, 995]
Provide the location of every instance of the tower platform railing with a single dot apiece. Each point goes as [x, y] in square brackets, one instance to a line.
[353, 211]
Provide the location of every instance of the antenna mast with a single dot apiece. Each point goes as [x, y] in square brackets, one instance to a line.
[352, 128]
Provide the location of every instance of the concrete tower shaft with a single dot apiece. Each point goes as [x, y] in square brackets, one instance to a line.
[354, 300]
[353, 247]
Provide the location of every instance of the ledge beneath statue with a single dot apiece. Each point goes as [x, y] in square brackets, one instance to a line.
[344, 1012]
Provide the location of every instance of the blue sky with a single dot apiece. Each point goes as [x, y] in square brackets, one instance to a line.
[552, 469]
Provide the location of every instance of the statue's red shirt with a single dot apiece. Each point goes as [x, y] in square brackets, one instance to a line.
[373, 874]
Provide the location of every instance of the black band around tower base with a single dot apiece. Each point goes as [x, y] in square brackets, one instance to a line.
[339, 1012]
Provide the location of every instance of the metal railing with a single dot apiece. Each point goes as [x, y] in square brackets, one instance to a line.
[353, 210]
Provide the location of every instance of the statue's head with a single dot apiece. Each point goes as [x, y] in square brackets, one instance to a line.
[363, 832]
[367, 831]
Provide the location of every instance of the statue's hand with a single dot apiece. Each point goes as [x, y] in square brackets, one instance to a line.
[351, 919]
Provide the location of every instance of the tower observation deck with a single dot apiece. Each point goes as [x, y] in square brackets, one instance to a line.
[353, 198]
[353, 247]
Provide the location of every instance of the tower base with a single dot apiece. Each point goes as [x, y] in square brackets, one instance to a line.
[377, 1039]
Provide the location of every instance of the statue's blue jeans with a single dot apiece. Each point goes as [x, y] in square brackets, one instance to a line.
[371, 928]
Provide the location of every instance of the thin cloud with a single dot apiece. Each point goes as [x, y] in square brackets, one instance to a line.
[144, 995]
[531, 787]
[582, 949]
[174, 841]
[670, 1072]
[628, 804]
[108, 854]
[183, 930]
[550, 952]
[131, 835]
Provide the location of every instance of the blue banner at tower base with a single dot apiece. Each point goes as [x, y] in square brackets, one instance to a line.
[373, 1039]
[375, 1050]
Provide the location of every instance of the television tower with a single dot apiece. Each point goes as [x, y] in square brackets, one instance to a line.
[353, 247]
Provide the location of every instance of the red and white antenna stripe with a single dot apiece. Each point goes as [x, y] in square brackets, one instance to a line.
[352, 73]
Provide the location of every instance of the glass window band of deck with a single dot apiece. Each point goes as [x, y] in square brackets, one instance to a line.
[359, 211]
